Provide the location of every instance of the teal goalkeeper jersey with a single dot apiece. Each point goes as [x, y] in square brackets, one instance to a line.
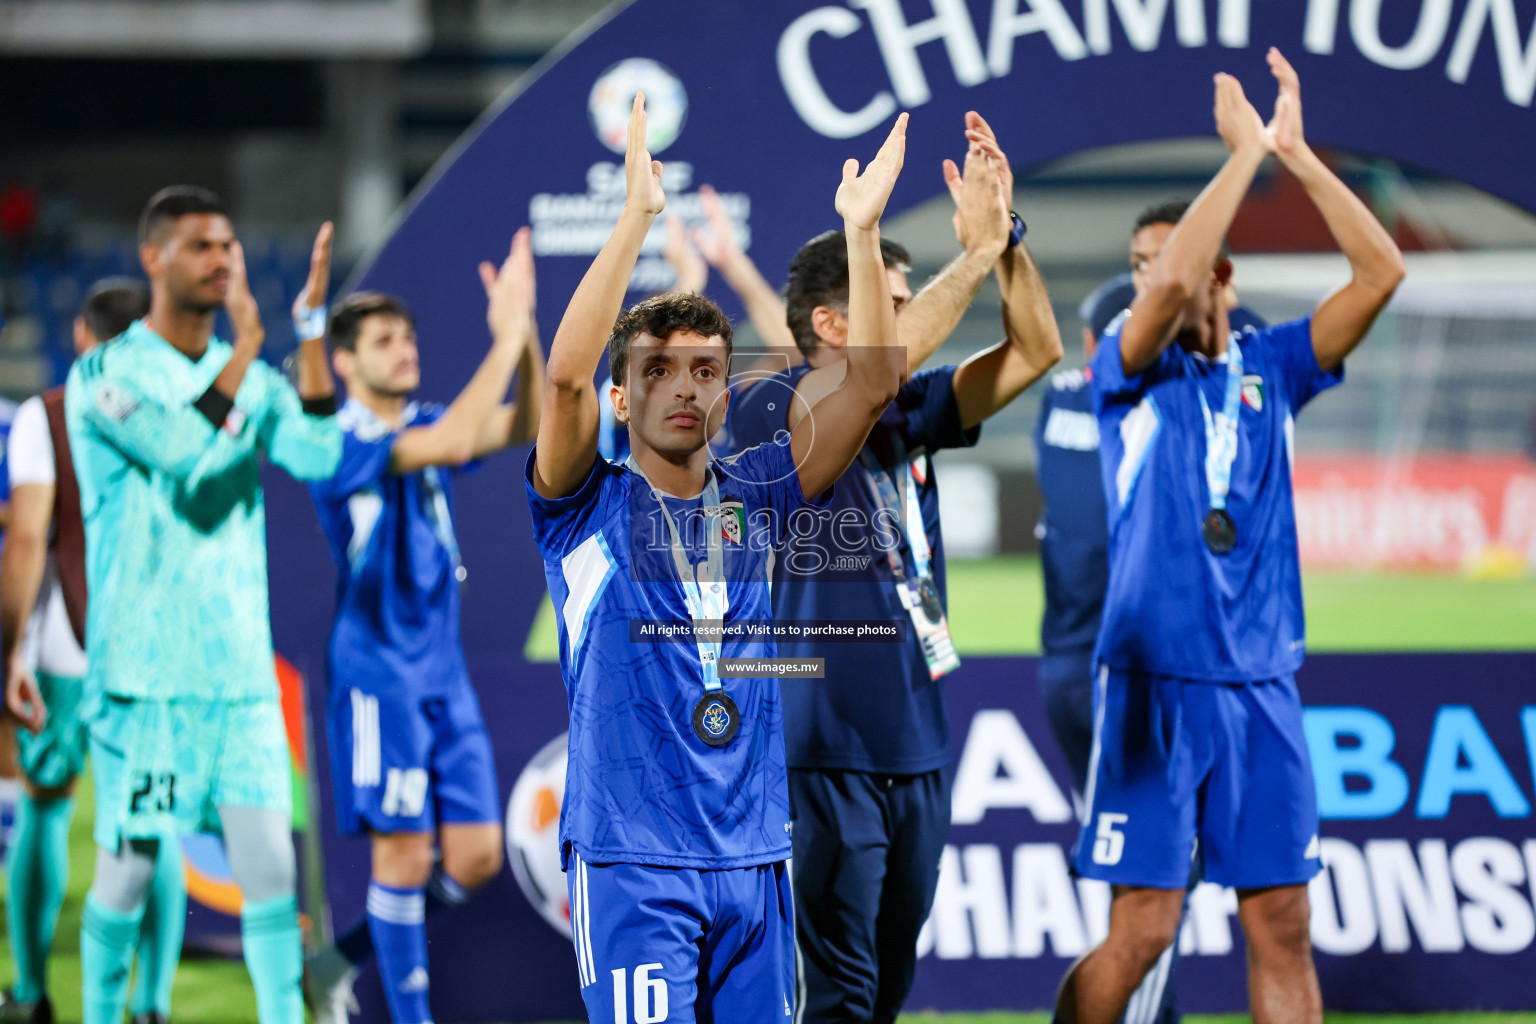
[175, 526]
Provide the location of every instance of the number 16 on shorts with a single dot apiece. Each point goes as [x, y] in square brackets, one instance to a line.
[1108, 840]
[650, 996]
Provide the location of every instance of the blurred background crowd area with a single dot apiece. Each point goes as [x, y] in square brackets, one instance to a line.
[303, 110]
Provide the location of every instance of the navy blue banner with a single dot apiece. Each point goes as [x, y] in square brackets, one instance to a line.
[764, 101]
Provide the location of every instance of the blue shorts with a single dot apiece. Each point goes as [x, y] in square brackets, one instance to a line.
[404, 763]
[1176, 761]
[682, 945]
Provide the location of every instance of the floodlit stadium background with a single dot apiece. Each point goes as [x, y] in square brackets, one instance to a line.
[1416, 483]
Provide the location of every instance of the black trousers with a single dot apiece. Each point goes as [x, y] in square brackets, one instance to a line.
[867, 851]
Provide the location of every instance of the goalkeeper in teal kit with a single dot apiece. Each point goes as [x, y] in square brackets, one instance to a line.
[168, 425]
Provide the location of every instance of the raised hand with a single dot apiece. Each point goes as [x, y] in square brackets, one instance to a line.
[1283, 134]
[861, 198]
[240, 304]
[719, 243]
[977, 130]
[312, 298]
[683, 258]
[24, 699]
[1238, 123]
[509, 292]
[981, 211]
[642, 175]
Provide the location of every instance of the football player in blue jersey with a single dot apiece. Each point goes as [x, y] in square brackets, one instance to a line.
[411, 761]
[1198, 725]
[675, 831]
[868, 746]
[1074, 546]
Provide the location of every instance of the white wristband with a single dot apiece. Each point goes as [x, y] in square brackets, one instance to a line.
[310, 325]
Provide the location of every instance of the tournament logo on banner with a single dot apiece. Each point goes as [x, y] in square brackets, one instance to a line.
[666, 104]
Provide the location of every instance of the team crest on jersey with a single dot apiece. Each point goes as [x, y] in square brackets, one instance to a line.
[920, 468]
[1253, 391]
[733, 518]
[115, 402]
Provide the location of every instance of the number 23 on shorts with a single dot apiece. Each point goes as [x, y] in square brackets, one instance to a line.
[156, 791]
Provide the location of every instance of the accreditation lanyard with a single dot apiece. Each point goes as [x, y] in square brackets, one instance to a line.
[703, 584]
[1221, 430]
[442, 520]
[888, 491]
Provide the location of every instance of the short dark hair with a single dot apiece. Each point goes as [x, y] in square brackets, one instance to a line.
[818, 276]
[348, 314]
[171, 204]
[1170, 211]
[661, 316]
[112, 305]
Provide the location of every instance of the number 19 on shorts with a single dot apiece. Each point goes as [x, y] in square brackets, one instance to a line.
[650, 996]
[1109, 841]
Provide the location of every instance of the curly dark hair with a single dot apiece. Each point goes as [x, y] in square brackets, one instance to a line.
[661, 316]
[818, 276]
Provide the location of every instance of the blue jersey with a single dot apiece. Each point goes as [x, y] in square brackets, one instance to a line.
[642, 787]
[1073, 533]
[7, 417]
[1175, 608]
[877, 710]
[397, 595]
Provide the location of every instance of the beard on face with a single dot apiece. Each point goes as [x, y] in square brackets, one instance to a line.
[193, 299]
[390, 385]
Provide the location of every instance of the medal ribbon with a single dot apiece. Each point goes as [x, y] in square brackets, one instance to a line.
[442, 520]
[1221, 430]
[886, 493]
[704, 584]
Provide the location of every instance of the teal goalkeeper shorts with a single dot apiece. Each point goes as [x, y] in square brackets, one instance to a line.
[55, 756]
[165, 766]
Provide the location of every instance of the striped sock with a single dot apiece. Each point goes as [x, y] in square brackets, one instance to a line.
[356, 943]
[397, 920]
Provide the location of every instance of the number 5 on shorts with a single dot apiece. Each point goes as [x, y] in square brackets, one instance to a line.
[650, 996]
[1108, 843]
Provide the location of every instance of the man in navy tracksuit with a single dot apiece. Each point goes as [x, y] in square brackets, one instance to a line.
[868, 745]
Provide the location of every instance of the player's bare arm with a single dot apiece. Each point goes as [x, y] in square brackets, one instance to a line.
[765, 307]
[824, 445]
[567, 443]
[477, 414]
[518, 423]
[1375, 263]
[240, 304]
[989, 380]
[981, 227]
[685, 260]
[1186, 259]
[315, 382]
[982, 224]
[22, 563]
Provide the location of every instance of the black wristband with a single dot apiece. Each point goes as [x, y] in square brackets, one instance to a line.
[1016, 235]
[320, 406]
[215, 405]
